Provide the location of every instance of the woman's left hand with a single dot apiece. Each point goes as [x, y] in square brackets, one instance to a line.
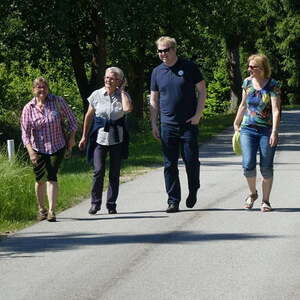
[273, 139]
[123, 85]
[71, 143]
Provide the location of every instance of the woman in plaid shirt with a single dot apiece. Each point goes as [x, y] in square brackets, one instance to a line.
[43, 137]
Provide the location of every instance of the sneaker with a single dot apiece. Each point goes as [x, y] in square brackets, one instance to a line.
[51, 217]
[42, 215]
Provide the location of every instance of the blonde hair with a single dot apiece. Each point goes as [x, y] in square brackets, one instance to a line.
[39, 80]
[167, 40]
[263, 62]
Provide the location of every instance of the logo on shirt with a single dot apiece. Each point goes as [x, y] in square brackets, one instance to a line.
[180, 72]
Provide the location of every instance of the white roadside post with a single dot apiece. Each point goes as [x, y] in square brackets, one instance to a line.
[10, 149]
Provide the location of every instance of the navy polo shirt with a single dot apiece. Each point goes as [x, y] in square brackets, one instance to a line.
[176, 87]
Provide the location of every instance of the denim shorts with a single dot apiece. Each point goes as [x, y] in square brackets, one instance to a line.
[253, 140]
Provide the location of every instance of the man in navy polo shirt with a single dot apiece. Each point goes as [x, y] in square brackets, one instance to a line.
[173, 96]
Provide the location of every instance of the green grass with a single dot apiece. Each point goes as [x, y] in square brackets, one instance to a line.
[17, 199]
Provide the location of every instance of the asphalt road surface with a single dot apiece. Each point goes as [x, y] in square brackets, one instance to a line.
[214, 251]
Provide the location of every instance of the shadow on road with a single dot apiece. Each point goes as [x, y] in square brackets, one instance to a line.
[22, 244]
[117, 217]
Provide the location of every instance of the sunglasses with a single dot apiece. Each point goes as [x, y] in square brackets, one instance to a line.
[253, 67]
[163, 50]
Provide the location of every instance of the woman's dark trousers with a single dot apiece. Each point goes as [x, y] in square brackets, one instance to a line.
[115, 158]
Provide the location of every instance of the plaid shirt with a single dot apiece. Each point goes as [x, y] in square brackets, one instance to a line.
[42, 128]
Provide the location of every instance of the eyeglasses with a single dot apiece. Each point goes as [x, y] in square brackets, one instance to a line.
[41, 87]
[163, 50]
[253, 67]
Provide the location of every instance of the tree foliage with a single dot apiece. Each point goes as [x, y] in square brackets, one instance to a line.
[71, 42]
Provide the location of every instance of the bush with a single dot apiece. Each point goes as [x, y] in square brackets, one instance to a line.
[218, 95]
[15, 91]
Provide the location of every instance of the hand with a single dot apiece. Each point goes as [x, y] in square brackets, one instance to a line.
[194, 120]
[82, 143]
[71, 143]
[236, 127]
[33, 157]
[155, 132]
[273, 139]
[123, 85]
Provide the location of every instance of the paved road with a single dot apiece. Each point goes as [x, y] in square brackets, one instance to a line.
[214, 251]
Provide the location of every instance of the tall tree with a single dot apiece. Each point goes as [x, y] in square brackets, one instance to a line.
[234, 21]
[281, 23]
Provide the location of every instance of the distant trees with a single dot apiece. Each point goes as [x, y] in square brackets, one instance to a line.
[73, 41]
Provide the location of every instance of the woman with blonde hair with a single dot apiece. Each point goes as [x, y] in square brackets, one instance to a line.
[258, 120]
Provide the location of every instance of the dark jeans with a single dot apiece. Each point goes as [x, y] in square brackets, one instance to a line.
[180, 140]
[99, 158]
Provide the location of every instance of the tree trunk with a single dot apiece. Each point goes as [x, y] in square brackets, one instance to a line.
[235, 77]
[98, 63]
[136, 79]
[99, 51]
[80, 74]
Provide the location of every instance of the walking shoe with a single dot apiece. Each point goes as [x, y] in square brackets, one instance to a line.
[191, 200]
[51, 217]
[94, 208]
[42, 215]
[173, 208]
[112, 211]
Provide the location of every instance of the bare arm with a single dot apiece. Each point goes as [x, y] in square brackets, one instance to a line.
[275, 102]
[240, 113]
[154, 111]
[201, 88]
[126, 100]
[86, 126]
[32, 154]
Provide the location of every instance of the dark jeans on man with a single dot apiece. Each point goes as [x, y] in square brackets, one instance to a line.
[182, 140]
[115, 159]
